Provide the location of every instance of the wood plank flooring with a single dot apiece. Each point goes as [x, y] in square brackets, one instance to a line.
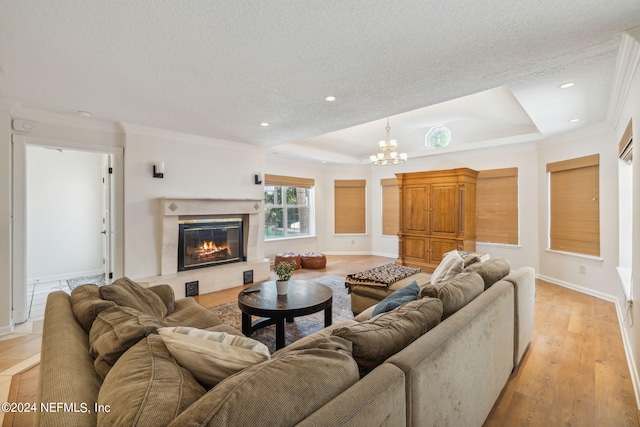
[574, 373]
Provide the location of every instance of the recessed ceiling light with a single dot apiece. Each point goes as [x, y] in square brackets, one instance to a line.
[566, 85]
[84, 114]
[330, 98]
[264, 124]
[574, 120]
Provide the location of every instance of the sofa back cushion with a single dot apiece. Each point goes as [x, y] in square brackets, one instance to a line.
[147, 387]
[87, 303]
[125, 292]
[491, 270]
[377, 339]
[279, 392]
[456, 292]
[114, 331]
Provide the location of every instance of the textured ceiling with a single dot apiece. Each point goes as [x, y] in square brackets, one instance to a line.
[220, 68]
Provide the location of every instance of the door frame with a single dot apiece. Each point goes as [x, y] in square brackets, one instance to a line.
[19, 309]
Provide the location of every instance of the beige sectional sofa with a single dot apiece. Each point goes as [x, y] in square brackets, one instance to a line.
[449, 375]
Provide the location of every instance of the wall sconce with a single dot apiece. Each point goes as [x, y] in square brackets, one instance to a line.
[258, 178]
[158, 170]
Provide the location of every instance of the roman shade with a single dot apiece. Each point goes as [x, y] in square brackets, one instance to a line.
[497, 206]
[288, 181]
[390, 206]
[350, 206]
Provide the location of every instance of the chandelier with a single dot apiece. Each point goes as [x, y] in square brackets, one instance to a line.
[388, 155]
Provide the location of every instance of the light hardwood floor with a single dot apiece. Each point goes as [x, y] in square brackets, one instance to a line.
[573, 374]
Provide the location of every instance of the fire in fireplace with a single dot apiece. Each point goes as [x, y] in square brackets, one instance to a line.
[208, 242]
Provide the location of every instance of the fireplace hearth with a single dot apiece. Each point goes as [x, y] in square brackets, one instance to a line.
[206, 242]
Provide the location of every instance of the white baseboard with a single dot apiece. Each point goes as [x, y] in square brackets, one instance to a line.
[65, 276]
[6, 330]
[633, 372]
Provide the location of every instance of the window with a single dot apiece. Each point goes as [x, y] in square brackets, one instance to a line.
[287, 206]
[574, 205]
[497, 206]
[390, 207]
[350, 206]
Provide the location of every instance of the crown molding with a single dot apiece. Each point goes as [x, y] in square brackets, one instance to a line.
[143, 130]
[42, 116]
[627, 63]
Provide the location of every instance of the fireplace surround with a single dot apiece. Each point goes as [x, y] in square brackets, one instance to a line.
[220, 276]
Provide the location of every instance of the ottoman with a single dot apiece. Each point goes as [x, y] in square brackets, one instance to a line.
[314, 260]
[289, 257]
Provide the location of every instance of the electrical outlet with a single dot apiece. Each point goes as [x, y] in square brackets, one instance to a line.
[247, 277]
[583, 269]
[191, 289]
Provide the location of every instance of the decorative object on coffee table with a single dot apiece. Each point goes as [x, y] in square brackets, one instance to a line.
[289, 257]
[313, 260]
[284, 270]
[304, 297]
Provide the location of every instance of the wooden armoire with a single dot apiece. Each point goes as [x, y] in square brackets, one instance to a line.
[437, 215]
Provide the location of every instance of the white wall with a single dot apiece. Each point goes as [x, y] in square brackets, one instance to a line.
[64, 214]
[5, 222]
[195, 167]
[600, 277]
[631, 327]
[324, 239]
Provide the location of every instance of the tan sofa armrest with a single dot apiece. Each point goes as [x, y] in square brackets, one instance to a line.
[524, 284]
[166, 294]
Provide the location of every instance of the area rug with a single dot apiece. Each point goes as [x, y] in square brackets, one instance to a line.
[302, 326]
[97, 279]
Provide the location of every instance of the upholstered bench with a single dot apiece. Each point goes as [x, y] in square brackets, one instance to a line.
[314, 260]
[289, 257]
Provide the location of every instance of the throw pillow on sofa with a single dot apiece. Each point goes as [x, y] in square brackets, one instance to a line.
[451, 264]
[282, 391]
[377, 339]
[212, 356]
[456, 292]
[147, 387]
[114, 331]
[87, 303]
[397, 298]
[127, 293]
[491, 270]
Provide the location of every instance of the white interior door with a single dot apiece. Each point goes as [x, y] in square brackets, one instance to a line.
[107, 217]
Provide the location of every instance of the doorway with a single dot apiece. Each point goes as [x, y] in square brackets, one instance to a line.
[67, 200]
[67, 220]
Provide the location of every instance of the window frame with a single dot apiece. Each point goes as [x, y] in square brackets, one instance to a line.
[285, 183]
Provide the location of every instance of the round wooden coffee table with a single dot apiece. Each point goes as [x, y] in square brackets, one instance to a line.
[304, 297]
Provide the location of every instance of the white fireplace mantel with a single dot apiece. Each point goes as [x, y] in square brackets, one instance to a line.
[216, 277]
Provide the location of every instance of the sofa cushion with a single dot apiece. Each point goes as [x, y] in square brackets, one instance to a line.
[114, 331]
[272, 393]
[491, 270]
[147, 387]
[456, 292]
[127, 293]
[212, 356]
[87, 303]
[397, 298]
[451, 264]
[377, 339]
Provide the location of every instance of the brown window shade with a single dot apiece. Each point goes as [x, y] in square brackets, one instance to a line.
[288, 181]
[497, 206]
[390, 207]
[625, 147]
[575, 205]
[350, 206]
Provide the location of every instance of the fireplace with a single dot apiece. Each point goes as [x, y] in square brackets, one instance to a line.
[206, 242]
